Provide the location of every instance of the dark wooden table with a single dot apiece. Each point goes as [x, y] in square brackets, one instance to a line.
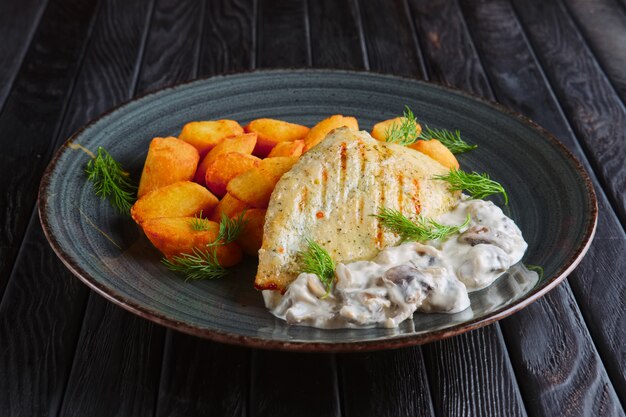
[66, 351]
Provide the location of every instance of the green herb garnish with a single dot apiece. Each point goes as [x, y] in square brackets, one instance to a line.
[203, 264]
[316, 260]
[420, 230]
[477, 185]
[199, 224]
[405, 132]
[451, 140]
[110, 181]
[230, 229]
[197, 265]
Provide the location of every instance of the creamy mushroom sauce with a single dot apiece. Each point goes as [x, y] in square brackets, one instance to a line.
[434, 277]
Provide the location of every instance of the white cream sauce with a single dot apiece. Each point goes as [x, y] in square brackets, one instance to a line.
[434, 277]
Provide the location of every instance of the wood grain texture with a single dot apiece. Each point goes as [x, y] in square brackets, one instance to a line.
[448, 49]
[603, 24]
[228, 37]
[558, 376]
[118, 355]
[203, 378]
[18, 23]
[40, 319]
[116, 366]
[464, 383]
[199, 377]
[390, 43]
[385, 384]
[594, 110]
[283, 33]
[32, 114]
[293, 384]
[519, 83]
[173, 44]
[336, 41]
[598, 283]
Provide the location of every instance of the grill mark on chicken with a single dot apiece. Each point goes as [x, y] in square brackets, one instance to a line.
[324, 186]
[400, 193]
[381, 202]
[358, 215]
[303, 199]
[342, 171]
[415, 197]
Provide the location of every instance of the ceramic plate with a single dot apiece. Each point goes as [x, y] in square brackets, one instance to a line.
[551, 199]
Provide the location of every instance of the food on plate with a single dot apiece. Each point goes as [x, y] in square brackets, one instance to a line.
[254, 187]
[221, 170]
[169, 160]
[291, 148]
[251, 236]
[382, 130]
[180, 235]
[243, 144]
[323, 128]
[272, 132]
[351, 230]
[431, 277]
[331, 195]
[110, 181]
[206, 134]
[181, 199]
[228, 206]
[437, 151]
[376, 232]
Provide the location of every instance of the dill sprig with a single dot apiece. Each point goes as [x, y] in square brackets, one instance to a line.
[230, 229]
[477, 185]
[420, 230]
[451, 140]
[110, 181]
[316, 260]
[199, 223]
[201, 264]
[405, 132]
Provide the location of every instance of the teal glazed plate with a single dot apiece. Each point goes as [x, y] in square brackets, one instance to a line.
[551, 199]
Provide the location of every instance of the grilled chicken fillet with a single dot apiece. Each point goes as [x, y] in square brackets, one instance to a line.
[330, 195]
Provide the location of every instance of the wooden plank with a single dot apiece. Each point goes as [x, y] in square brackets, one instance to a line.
[603, 23]
[520, 84]
[336, 36]
[596, 113]
[38, 329]
[18, 23]
[173, 46]
[229, 37]
[293, 384]
[40, 319]
[200, 377]
[472, 375]
[125, 375]
[448, 49]
[390, 41]
[283, 17]
[31, 116]
[385, 384]
[117, 364]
